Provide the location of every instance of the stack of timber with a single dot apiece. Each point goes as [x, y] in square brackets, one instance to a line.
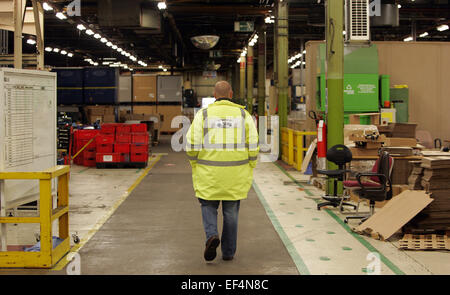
[436, 181]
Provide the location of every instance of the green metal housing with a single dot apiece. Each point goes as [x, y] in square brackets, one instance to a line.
[363, 86]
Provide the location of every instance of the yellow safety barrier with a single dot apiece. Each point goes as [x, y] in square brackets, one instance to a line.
[48, 256]
[292, 146]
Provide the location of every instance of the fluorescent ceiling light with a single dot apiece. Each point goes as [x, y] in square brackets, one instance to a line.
[103, 40]
[408, 39]
[90, 32]
[48, 49]
[423, 35]
[119, 49]
[95, 63]
[63, 52]
[56, 50]
[31, 41]
[162, 5]
[61, 16]
[109, 44]
[114, 47]
[127, 54]
[81, 27]
[70, 54]
[47, 7]
[88, 59]
[97, 36]
[442, 28]
[165, 70]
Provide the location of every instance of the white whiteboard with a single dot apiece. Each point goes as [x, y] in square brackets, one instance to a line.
[28, 129]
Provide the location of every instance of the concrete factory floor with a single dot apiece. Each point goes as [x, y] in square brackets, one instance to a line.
[149, 222]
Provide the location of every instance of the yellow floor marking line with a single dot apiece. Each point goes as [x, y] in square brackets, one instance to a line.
[63, 262]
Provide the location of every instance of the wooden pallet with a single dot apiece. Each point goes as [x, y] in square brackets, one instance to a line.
[425, 242]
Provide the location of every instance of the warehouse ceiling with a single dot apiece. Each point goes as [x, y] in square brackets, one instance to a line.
[162, 37]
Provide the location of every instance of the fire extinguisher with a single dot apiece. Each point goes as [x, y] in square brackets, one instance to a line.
[321, 144]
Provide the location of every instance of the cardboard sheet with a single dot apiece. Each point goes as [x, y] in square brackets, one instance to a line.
[395, 214]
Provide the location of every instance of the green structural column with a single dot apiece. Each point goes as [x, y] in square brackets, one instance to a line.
[261, 72]
[335, 76]
[282, 60]
[250, 79]
[242, 82]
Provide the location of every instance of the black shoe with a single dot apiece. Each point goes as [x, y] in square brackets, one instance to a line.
[210, 250]
[227, 258]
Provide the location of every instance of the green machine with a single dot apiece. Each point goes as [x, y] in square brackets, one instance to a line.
[364, 88]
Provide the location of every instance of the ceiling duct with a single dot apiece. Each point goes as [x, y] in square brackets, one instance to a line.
[130, 13]
[389, 16]
[205, 42]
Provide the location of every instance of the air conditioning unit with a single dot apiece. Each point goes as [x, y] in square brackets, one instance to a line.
[357, 24]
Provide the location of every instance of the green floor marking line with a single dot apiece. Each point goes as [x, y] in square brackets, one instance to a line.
[291, 213]
[300, 264]
[310, 240]
[360, 239]
[299, 226]
[324, 258]
[347, 248]
[84, 170]
[330, 232]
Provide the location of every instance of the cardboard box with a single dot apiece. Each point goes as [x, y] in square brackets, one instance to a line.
[361, 152]
[167, 114]
[144, 88]
[400, 142]
[95, 110]
[147, 110]
[109, 119]
[94, 118]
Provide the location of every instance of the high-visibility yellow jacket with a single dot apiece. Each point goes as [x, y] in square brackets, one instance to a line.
[222, 147]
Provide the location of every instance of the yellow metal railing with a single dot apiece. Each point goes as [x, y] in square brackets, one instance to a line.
[48, 256]
[292, 146]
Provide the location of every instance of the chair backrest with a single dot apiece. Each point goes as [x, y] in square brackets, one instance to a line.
[339, 155]
[377, 169]
[385, 163]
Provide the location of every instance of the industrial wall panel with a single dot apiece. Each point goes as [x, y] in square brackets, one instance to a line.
[125, 89]
[28, 135]
[170, 88]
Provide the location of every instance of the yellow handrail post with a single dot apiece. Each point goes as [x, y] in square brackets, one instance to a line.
[45, 201]
[299, 152]
[291, 147]
[63, 201]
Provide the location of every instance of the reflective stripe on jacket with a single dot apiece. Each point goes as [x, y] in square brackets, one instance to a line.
[222, 147]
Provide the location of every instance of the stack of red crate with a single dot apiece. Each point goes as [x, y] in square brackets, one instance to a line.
[87, 156]
[139, 143]
[122, 144]
[105, 144]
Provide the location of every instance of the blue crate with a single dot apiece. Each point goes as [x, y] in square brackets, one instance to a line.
[70, 85]
[101, 77]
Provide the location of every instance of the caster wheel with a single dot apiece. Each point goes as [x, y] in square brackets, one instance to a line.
[76, 239]
[37, 237]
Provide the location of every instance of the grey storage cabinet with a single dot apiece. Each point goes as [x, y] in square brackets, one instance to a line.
[170, 88]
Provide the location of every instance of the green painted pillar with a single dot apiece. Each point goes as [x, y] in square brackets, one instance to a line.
[242, 82]
[335, 77]
[261, 71]
[250, 79]
[282, 60]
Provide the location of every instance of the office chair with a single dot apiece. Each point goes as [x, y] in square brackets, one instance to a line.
[377, 189]
[339, 155]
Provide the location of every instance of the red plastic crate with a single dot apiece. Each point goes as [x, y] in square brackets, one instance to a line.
[105, 139]
[139, 128]
[89, 155]
[81, 143]
[139, 148]
[139, 158]
[123, 148]
[91, 162]
[124, 157]
[123, 128]
[108, 158]
[141, 138]
[105, 148]
[108, 128]
[123, 138]
[85, 134]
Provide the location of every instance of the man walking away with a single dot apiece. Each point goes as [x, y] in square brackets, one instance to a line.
[222, 147]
